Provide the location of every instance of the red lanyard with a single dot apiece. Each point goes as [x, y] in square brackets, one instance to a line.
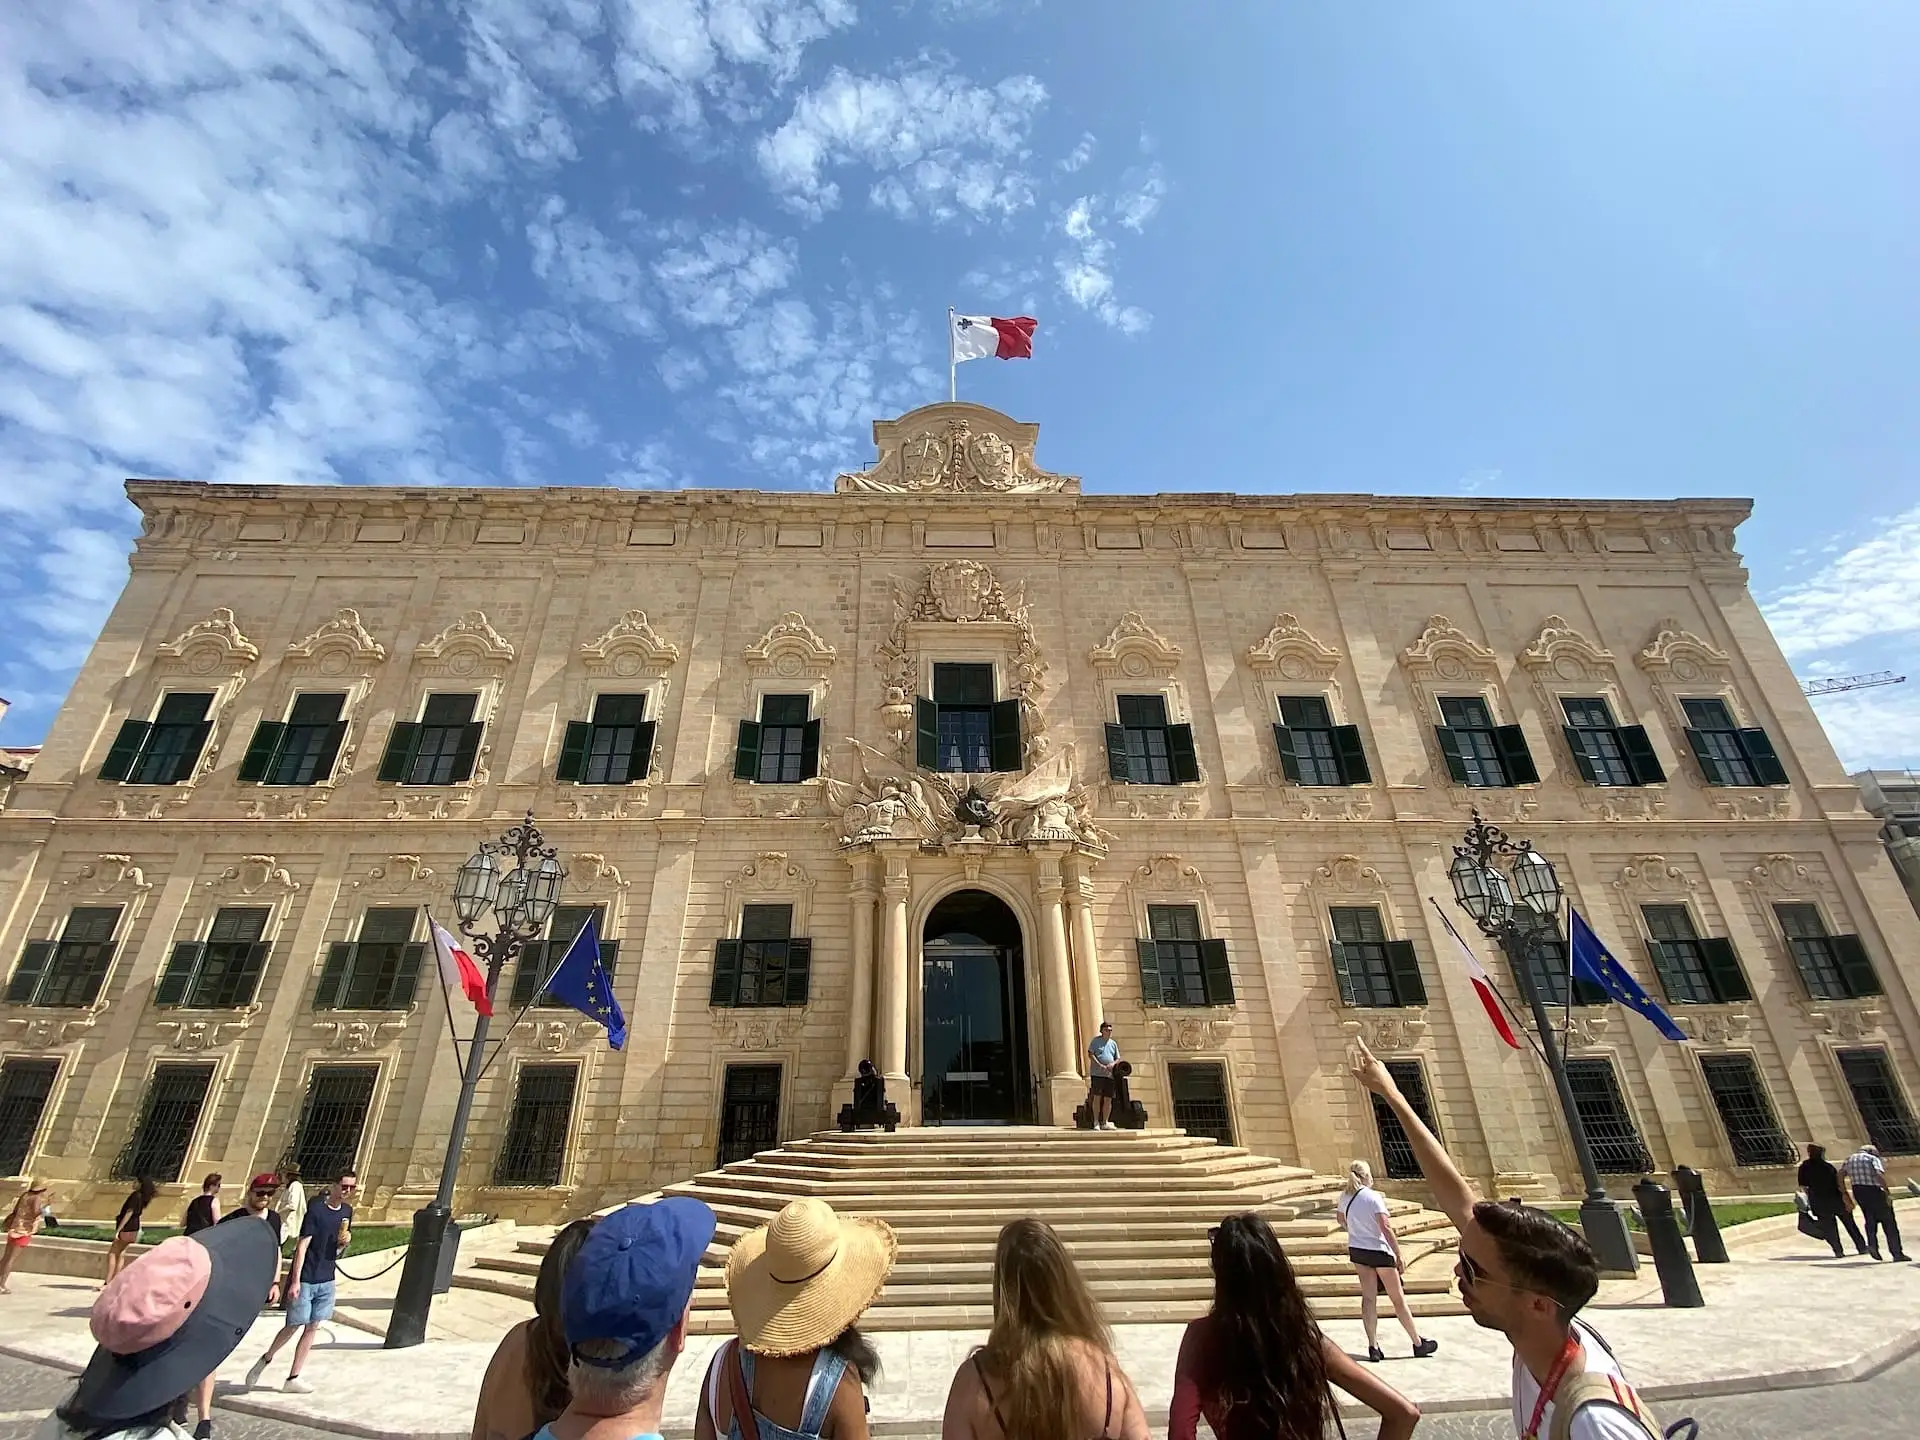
[1551, 1384]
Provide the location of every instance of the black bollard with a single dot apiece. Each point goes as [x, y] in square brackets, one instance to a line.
[1708, 1246]
[1670, 1257]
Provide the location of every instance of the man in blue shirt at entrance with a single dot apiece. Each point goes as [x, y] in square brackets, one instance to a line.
[1103, 1053]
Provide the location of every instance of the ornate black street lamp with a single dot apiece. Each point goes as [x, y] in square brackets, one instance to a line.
[1488, 894]
[521, 900]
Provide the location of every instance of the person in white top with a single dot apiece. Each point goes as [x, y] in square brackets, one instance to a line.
[1375, 1252]
[1524, 1274]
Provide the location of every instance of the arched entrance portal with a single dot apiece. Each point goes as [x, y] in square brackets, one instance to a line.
[974, 1067]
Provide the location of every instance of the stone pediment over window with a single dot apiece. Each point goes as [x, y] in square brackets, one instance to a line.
[1291, 652]
[213, 647]
[630, 648]
[1445, 652]
[956, 448]
[1677, 660]
[469, 646]
[1563, 652]
[341, 646]
[791, 649]
[1135, 651]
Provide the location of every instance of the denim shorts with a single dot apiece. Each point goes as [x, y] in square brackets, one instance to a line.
[313, 1304]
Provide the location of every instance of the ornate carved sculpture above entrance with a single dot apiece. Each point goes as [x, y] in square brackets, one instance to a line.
[886, 800]
[958, 449]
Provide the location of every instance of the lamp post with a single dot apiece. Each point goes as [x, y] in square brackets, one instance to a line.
[1488, 894]
[521, 900]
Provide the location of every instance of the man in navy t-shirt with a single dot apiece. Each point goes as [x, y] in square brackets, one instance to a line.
[324, 1235]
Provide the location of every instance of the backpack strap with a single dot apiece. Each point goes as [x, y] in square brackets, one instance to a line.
[1592, 1388]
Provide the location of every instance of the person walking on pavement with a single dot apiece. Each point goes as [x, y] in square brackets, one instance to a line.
[1375, 1252]
[1867, 1179]
[1827, 1202]
[325, 1234]
[204, 1210]
[1102, 1054]
[126, 1225]
[256, 1207]
[24, 1221]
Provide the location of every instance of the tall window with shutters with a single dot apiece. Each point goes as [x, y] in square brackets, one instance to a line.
[1314, 750]
[1371, 970]
[538, 958]
[67, 972]
[1730, 754]
[1479, 753]
[378, 971]
[166, 749]
[1178, 966]
[963, 729]
[767, 965]
[615, 747]
[440, 748]
[1145, 748]
[1832, 967]
[1693, 969]
[221, 972]
[302, 749]
[1606, 754]
[782, 747]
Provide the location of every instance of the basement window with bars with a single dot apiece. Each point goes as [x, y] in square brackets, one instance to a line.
[1198, 1092]
[302, 749]
[1833, 967]
[782, 747]
[1753, 1131]
[333, 1119]
[1145, 749]
[1617, 1146]
[164, 750]
[438, 749]
[1728, 753]
[1314, 750]
[1371, 970]
[25, 1088]
[1177, 966]
[169, 1113]
[536, 1145]
[539, 957]
[378, 971]
[1607, 754]
[221, 972]
[1479, 753]
[767, 965]
[615, 747]
[67, 973]
[1878, 1097]
[1693, 969]
[1396, 1151]
[963, 729]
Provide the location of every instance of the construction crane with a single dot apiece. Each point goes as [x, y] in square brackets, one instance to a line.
[1836, 684]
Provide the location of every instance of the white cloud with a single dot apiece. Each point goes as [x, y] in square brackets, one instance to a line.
[1869, 589]
[680, 370]
[1084, 268]
[1874, 729]
[713, 279]
[583, 267]
[946, 145]
[673, 53]
[1139, 204]
[1077, 158]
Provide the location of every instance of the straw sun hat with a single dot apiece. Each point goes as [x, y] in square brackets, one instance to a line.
[796, 1284]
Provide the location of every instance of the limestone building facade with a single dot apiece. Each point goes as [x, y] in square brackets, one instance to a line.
[938, 769]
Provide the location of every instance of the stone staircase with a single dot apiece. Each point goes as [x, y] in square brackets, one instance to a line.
[1133, 1206]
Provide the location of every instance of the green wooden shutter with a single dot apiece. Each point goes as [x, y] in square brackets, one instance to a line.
[1404, 966]
[406, 979]
[573, 751]
[1217, 972]
[810, 750]
[252, 966]
[529, 968]
[1004, 746]
[34, 959]
[1647, 769]
[1450, 752]
[176, 980]
[467, 751]
[799, 967]
[1855, 968]
[1511, 741]
[926, 733]
[1583, 762]
[1667, 971]
[1351, 756]
[1767, 768]
[1148, 954]
[640, 762]
[333, 975]
[258, 760]
[609, 956]
[1342, 975]
[726, 973]
[746, 751]
[1186, 763]
[1710, 770]
[1289, 758]
[1723, 969]
[1117, 753]
[401, 745]
[125, 750]
[188, 759]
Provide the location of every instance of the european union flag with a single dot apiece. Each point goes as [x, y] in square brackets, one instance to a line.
[580, 980]
[1593, 962]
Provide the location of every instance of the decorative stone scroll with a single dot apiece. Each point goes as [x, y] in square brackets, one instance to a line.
[1443, 651]
[956, 449]
[791, 649]
[1676, 657]
[253, 874]
[1562, 651]
[959, 592]
[630, 647]
[341, 646]
[109, 873]
[1291, 652]
[469, 646]
[1134, 650]
[212, 647]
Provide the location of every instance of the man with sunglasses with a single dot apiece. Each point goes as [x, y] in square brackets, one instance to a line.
[325, 1233]
[1524, 1274]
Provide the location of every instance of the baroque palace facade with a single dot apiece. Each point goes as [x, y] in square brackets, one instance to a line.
[938, 769]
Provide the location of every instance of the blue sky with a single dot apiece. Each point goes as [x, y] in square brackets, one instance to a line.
[1495, 249]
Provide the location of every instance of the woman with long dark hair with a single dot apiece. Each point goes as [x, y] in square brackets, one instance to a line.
[526, 1381]
[1257, 1365]
[126, 1224]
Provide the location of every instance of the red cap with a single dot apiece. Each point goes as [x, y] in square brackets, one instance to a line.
[266, 1180]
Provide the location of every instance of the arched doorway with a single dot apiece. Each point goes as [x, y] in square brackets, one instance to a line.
[974, 1065]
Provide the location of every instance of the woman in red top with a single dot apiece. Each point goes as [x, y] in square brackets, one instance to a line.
[1257, 1366]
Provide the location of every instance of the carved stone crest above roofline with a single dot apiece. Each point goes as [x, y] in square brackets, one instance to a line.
[956, 448]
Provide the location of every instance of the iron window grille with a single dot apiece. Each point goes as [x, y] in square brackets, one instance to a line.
[302, 749]
[25, 1088]
[1832, 967]
[157, 1149]
[1478, 752]
[1371, 970]
[1752, 1129]
[333, 1119]
[749, 1112]
[536, 1143]
[615, 747]
[1617, 1146]
[782, 747]
[1882, 1106]
[1146, 749]
[767, 965]
[1199, 1096]
[1314, 750]
[1539, 945]
[539, 957]
[221, 972]
[1605, 753]
[379, 971]
[1396, 1150]
[440, 748]
[164, 750]
[963, 729]
[1177, 966]
[1728, 753]
[68, 972]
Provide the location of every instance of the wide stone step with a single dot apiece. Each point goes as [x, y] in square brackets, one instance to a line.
[1009, 1201]
[846, 1170]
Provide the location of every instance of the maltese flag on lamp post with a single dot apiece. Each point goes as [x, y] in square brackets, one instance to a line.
[984, 337]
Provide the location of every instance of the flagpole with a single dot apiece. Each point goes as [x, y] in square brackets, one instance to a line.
[953, 366]
[453, 1036]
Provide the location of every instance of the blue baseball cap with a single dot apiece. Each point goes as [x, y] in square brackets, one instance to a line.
[632, 1279]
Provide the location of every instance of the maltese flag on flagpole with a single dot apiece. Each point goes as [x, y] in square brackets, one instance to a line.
[980, 337]
[458, 970]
